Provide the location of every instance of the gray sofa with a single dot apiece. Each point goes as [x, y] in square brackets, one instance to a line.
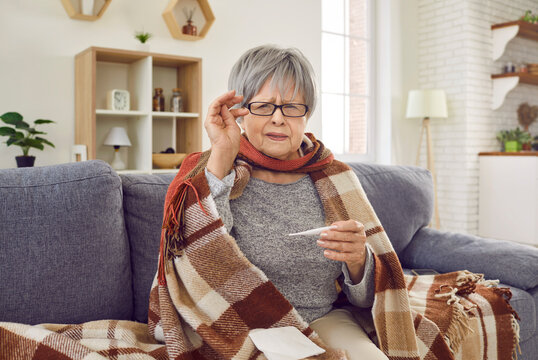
[78, 242]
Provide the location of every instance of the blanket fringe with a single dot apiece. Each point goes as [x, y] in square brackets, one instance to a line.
[173, 241]
[466, 278]
[459, 328]
[516, 348]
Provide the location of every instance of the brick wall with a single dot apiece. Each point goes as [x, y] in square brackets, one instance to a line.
[454, 50]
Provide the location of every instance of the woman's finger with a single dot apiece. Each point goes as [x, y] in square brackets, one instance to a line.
[238, 112]
[339, 256]
[349, 225]
[233, 101]
[342, 246]
[227, 116]
[348, 236]
[214, 107]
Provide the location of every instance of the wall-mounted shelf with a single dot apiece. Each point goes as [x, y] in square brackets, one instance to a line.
[504, 83]
[98, 70]
[501, 36]
[503, 33]
[173, 14]
[73, 9]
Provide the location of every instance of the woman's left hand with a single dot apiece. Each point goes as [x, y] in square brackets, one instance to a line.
[346, 243]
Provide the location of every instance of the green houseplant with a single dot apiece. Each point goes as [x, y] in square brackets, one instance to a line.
[513, 139]
[20, 133]
[142, 36]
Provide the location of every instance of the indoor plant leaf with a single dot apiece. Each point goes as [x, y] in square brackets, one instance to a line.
[33, 143]
[13, 140]
[11, 118]
[41, 121]
[22, 125]
[44, 141]
[34, 131]
[7, 131]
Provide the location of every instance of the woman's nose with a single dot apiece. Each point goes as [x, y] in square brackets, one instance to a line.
[278, 117]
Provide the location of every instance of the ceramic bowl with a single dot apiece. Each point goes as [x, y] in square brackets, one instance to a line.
[167, 161]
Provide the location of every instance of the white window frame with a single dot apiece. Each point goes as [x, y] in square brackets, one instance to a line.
[372, 105]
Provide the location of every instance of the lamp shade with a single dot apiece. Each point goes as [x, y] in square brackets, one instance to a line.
[426, 103]
[117, 136]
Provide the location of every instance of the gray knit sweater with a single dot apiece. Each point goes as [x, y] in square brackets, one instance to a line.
[260, 221]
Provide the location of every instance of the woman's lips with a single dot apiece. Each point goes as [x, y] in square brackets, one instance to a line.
[276, 136]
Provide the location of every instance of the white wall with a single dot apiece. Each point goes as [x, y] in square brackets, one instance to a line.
[404, 77]
[40, 42]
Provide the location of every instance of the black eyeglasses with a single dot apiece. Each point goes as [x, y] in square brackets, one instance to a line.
[267, 109]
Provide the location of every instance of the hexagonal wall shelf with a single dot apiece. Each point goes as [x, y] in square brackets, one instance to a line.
[73, 9]
[173, 14]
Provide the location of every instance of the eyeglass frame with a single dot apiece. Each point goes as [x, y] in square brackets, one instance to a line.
[277, 107]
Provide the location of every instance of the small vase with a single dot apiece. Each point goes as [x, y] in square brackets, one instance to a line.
[190, 29]
[143, 47]
[87, 7]
[25, 161]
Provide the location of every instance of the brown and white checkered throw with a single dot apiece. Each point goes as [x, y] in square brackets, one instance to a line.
[208, 296]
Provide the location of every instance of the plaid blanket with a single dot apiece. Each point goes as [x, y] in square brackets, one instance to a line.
[207, 296]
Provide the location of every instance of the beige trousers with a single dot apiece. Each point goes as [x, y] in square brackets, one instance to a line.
[339, 330]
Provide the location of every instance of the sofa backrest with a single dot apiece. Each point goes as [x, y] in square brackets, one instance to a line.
[143, 199]
[64, 251]
[401, 196]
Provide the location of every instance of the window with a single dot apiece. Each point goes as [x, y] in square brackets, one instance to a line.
[346, 77]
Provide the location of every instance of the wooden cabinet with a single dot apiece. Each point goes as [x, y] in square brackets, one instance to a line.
[98, 70]
[508, 199]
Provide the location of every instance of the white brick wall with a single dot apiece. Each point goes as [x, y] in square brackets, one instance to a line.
[455, 49]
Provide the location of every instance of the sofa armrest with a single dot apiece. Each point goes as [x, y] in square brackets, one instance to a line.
[513, 264]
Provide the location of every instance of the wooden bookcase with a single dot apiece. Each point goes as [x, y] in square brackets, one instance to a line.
[98, 70]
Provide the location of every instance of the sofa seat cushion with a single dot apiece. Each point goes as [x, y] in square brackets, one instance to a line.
[64, 252]
[144, 207]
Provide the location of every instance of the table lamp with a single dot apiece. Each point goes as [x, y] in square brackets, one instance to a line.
[117, 136]
[427, 104]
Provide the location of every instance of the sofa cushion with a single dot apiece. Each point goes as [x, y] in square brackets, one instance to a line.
[66, 222]
[402, 197]
[143, 205]
[524, 304]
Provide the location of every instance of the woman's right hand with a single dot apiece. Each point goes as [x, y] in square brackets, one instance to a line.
[223, 132]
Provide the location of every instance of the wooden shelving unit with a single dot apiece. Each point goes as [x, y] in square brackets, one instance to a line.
[72, 9]
[98, 70]
[173, 12]
[501, 36]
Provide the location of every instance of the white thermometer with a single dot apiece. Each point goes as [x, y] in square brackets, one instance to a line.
[314, 231]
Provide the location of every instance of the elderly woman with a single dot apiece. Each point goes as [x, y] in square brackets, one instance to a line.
[276, 94]
[259, 125]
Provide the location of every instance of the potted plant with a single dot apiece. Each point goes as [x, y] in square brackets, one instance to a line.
[513, 139]
[143, 37]
[524, 140]
[21, 134]
[502, 137]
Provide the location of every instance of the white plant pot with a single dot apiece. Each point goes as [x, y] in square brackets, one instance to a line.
[87, 7]
[143, 47]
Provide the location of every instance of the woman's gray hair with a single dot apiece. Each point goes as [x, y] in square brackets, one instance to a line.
[286, 68]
